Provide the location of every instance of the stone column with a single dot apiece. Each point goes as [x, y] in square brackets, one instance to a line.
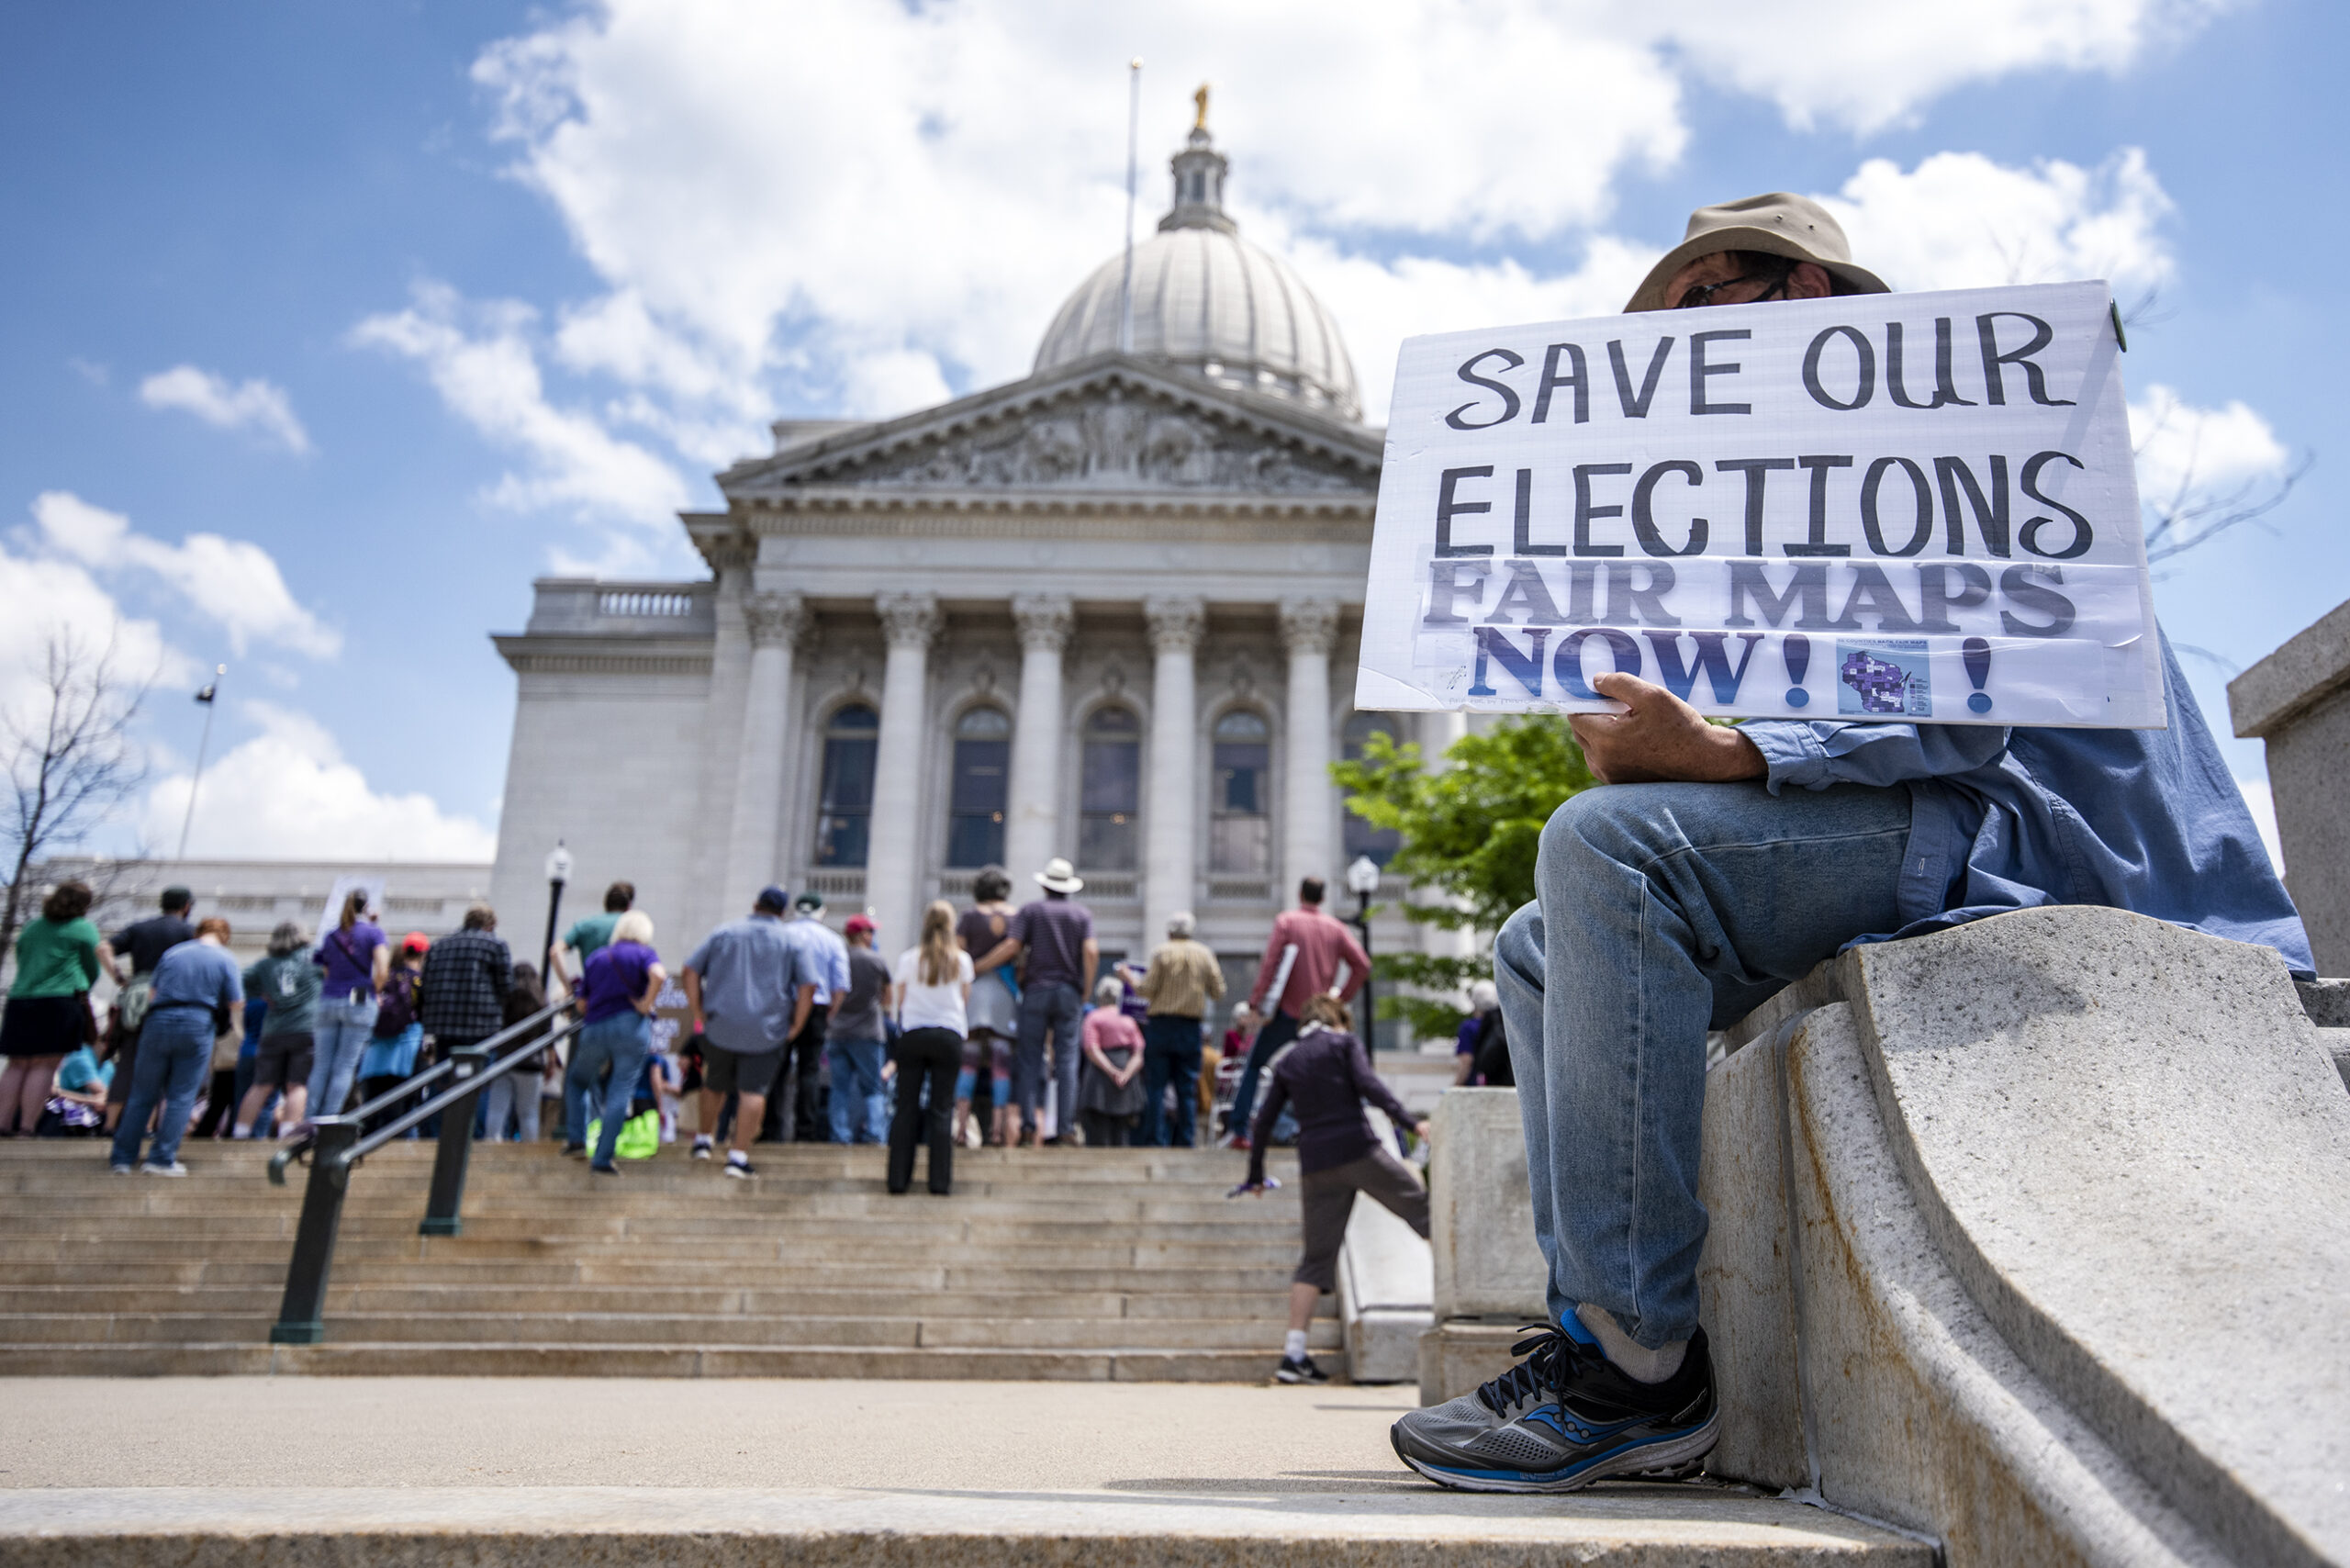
[775, 621]
[702, 899]
[1171, 855]
[909, 621]
[1032, 835]
[1308, 628]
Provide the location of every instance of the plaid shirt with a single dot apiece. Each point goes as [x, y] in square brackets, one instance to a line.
[467, 977]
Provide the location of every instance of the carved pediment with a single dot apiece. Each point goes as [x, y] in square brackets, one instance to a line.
[1105, 434]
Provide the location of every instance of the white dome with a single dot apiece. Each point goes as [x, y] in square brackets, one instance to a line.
[1210, 304]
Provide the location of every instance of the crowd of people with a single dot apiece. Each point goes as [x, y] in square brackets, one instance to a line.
[998, 1024]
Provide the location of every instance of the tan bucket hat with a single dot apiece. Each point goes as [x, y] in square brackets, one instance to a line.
[1059, 876]
[1778, 224]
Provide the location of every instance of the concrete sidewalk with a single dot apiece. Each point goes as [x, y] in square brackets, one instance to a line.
[231, 1470]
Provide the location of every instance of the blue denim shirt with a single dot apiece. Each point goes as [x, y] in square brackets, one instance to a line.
[826, 956]
[751, 975]
[2149, 821]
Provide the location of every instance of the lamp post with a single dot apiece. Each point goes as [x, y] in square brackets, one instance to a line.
[558, 873]
[1362, 878]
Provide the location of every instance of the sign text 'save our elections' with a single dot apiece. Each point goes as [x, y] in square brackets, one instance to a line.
[1904, 505]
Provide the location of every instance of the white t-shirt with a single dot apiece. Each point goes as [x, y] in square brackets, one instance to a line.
[930, 1006]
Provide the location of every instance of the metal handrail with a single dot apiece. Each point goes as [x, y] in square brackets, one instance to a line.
[399, 1091]
[335, 1147]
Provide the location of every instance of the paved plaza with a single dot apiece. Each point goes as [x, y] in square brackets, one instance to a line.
[251, 1469]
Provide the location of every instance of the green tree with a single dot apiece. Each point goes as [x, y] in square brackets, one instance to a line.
[1470, 830]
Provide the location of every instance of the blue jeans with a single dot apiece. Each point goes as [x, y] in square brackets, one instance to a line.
[1171, 1047]
[1278, 1031]
[1662, 909]
[345, 1028]
[174, 1057]
[1052, 1009]
[856, 1092]
[621, 1043]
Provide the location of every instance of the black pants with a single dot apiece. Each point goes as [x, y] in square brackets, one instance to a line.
[219, 1105]
[926, 1058]
[794, 1114]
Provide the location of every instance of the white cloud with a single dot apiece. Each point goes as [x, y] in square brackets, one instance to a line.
[253, 405]
[288, 794]
[2263, 804]
[46, 596]
[2185, 452]
[857, 208]
[1959, 220]
[1865, 64]
[231, 581]
[482, 361]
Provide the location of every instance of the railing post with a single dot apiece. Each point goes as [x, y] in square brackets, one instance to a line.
[456, 1147]
[301, 1318]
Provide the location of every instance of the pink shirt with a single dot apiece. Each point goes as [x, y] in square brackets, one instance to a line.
[1107, 1030]
[1323, 944]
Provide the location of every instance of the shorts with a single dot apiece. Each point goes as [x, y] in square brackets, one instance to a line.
[738, 1072]
[1326, 1200]
[283, 1060]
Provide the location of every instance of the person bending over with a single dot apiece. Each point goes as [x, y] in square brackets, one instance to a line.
[1717, 865]
[1325, 1079]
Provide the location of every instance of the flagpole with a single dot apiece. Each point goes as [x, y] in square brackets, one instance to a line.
[1134, 132]
[207, 696]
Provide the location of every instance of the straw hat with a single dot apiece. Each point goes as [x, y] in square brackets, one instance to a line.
[1059, 876]
[1777, 224]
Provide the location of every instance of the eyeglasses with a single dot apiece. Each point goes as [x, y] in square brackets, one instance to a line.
[1702, 293]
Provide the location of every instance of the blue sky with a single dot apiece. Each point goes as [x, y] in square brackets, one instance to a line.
[330, 327]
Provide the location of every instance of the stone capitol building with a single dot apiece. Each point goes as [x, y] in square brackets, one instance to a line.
[1108, 611]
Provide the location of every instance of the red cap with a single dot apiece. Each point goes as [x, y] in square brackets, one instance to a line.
[415, 941]
[857, 923]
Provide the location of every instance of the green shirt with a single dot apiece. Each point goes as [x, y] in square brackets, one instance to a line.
[589, 934]
[289, 982]
[55, 957]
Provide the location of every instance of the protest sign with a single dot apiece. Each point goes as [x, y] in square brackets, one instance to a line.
[1892, 506]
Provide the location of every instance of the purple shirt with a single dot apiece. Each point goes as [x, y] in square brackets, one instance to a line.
[348, 960]
[1054, 932]
[616, 978]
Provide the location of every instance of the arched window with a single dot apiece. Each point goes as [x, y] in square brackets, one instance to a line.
[1110, 792]
[1361, 838]
[844, 813]
[1240, 823]
[977, 796]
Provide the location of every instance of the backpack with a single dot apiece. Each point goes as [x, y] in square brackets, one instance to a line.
[395, 1004]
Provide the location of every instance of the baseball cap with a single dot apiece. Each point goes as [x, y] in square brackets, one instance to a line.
[809, 900]
[857, 923]
[415, 941]
[772, 898]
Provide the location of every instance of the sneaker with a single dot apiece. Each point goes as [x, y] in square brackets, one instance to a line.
[574, 1151]
[701, 1149]
[173, 1168]
[1303, 1370]
[595, 1168]
[741, 1170]
[122, 1169]
[1563, 1418]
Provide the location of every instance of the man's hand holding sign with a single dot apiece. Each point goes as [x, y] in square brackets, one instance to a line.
[1882, 529]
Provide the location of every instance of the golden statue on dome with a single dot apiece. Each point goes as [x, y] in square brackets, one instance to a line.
[1200, 98]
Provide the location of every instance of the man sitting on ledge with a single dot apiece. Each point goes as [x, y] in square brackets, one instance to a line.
[1719, 865]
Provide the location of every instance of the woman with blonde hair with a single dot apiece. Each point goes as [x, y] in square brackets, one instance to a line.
[931, 991]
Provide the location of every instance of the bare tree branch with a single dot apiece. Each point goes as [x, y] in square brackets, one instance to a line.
[69, 760]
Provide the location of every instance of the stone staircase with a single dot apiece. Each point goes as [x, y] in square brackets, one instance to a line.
[1045, 1264]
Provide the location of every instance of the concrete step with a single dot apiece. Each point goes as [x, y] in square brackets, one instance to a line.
[861, 1331]
[434, 1301]
[443, 1359]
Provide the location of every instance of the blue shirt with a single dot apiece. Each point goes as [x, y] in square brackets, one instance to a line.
[826, 954]
[751, 975]
[197, 974]
[2148, 821]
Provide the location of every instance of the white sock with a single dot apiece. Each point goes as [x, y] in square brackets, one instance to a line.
[1634, 1359]
[1294, 1346]
[736, 1156]
[701, 1140]
[244, 1129]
